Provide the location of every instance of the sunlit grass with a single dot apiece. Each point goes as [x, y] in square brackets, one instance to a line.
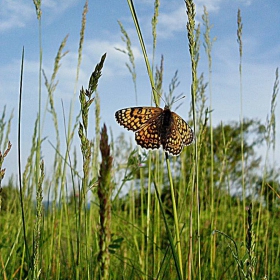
[129, 214]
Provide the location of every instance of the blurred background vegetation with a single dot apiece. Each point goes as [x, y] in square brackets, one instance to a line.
[123, 217]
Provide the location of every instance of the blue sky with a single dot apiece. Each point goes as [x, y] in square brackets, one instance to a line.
[19, 27]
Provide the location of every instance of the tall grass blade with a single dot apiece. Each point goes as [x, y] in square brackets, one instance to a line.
[170, 238]
[193, 49]
[19, 161]
[208, 43]
[142, 44]
[239, 41]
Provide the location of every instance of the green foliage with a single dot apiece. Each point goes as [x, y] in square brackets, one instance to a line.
[9, 195]
[140, 215]
[227, 151]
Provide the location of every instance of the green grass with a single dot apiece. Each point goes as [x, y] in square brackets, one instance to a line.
[178, 219]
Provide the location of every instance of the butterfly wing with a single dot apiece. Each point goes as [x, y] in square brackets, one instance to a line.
[153, 128]
[184, 129]
[179, 134]
[173, 143]
[137, 117]
[148, 136]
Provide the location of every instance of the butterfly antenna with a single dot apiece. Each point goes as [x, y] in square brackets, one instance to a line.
[178, 99]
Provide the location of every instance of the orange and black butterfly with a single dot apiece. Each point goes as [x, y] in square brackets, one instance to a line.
[155, 126]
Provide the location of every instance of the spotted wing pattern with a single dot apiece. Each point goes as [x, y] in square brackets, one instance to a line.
[148, 135]
[137, 117]
[184, 129]
[154, 126]
[179, 134]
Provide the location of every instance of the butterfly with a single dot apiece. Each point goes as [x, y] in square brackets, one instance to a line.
[154, 126]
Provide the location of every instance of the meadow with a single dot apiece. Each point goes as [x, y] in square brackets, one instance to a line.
[210, 213]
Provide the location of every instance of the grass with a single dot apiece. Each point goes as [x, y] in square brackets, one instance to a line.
[178, 219]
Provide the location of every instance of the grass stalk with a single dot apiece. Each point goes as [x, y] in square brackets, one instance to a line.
[154, 30]
[250, 246]
[19, 162]
[142, 234]
[148, 219]
[177, 240]
[155, 95]
[270, 140]
[5, 129]
[171, 239]
[38, 170]
[235, 253]
[37, 255]
[3, 170]
[97, 136]
[105, 189]
[194, 59]
[239, 41]
[131, 67]
[208, 43]
[58, 159]
[70, 129]
[38, 144]
[142, 44]
[86, 100]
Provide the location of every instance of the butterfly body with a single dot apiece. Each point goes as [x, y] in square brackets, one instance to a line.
[154, 126]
